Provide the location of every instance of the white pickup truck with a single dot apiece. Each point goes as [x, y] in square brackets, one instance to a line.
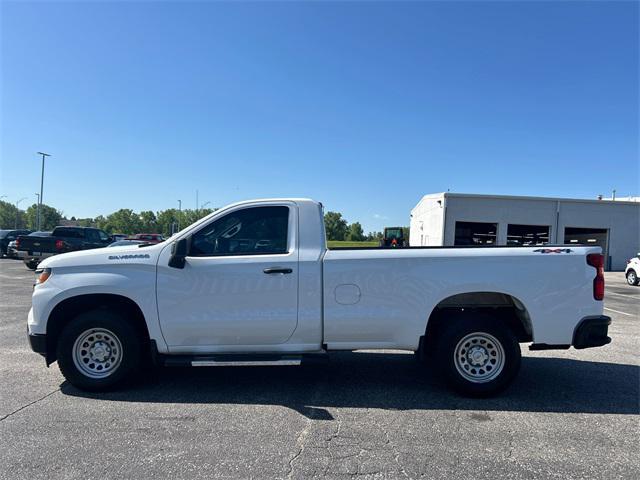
[254, 284]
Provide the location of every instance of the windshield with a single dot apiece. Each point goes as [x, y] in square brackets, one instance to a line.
[4, 233]
[393, 233]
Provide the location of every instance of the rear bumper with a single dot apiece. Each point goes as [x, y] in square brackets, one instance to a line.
[28, 257]
[592, 332]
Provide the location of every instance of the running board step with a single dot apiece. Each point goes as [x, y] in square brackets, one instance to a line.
[245, 363]
[244, 360]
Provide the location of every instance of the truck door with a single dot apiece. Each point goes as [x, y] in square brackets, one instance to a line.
[239, 284]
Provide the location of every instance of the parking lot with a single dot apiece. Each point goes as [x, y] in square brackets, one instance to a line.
[570, 414]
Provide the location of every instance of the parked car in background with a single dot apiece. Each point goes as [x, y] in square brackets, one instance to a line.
[8, 236]
[119, 236]
[61, 240]
[123, 243]
[633, 270]
[147, 237]
[29, 259]
[12, 252]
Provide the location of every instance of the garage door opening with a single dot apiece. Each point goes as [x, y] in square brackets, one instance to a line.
[474, 233]
[590, 237]
[518, 235]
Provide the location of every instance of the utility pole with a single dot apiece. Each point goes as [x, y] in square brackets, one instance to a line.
[44, 155]
[18, 211]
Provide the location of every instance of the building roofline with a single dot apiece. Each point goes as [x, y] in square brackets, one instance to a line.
[524, 197]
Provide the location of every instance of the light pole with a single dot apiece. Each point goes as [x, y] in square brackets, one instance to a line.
[41, 185]
[179, 213]
[17, 211]
[37, 204]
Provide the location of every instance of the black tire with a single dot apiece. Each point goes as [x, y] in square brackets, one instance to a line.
[449, 349]
[31, 265]
[632, 277]
[120, 334]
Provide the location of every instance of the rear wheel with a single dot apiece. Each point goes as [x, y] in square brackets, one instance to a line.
[632, 277]
[31, 265]
[98, 350]
[477, 355]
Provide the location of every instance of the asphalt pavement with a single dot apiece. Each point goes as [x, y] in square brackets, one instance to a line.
[569, 414]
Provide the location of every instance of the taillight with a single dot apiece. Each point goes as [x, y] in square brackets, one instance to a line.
[59, 244]
[596, 260]
[17, 244]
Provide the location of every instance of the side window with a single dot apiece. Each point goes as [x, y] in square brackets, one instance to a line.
[252, 231]
[69, 233]
[103, 236]
[92, 236]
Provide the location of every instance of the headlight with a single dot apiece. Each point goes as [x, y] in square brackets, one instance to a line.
[42, 275]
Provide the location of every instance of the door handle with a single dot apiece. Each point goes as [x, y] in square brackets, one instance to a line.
[277, 270]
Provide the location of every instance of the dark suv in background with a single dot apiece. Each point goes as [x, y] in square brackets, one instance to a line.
[8, 236]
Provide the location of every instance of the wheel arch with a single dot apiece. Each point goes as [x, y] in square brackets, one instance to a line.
[71, 307]
[502, 306]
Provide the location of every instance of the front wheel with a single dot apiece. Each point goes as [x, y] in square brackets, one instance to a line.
[632, 277]
[98, 350]
[477, 355]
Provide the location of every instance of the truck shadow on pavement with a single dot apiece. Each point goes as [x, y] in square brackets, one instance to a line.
[387, 381]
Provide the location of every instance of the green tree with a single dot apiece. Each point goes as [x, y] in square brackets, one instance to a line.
[100, 222]
[182, 219]
[11, 216]
[148, 222]
[374, 236]
[355, 233]
[335, 225]
[124, 220]
[164, 220]
[49, 217]
[86, 222]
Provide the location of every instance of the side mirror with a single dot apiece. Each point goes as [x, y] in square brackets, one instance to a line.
[179, 252]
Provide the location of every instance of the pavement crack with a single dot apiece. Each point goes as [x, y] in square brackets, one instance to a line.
[28, 405]
[396, 454]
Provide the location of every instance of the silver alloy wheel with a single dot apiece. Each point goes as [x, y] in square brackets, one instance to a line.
[631, 277]
[97, 353]
[479, 357]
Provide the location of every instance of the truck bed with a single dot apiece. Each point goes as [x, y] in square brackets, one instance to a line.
[396, 290]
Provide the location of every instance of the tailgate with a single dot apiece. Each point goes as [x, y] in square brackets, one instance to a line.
[36, 244]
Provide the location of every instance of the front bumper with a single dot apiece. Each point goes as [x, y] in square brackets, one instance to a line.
[38, 343]
[592, 332]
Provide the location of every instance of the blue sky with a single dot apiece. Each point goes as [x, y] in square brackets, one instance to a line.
[363, 106]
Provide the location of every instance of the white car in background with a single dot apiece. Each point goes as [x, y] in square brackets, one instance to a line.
[633, 270]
